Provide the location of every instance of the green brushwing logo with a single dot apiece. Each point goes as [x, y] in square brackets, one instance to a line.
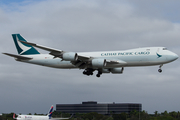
[158, 55]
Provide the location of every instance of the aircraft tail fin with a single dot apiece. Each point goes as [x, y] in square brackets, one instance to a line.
[50, 112]
[14, 116]
[22, 48]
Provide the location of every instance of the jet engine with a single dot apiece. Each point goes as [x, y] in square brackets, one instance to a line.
[70, 56]
[105, 71]
[117, 70]
[99, 63]
[113, 70]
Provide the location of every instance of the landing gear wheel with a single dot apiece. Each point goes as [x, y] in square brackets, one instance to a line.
[84, 72]
[98, 75]
[159, 70]
[88, 71]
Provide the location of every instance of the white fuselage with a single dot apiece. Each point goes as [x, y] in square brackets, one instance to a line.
[32, 117]
[147, 56]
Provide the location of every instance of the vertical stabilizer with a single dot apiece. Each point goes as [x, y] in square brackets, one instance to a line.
[50, 112]
[22, 48]
[14, 116]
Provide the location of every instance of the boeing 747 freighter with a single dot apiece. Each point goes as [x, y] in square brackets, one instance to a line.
[104, 62]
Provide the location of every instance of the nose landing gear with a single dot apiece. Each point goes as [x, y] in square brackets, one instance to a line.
[160, 70]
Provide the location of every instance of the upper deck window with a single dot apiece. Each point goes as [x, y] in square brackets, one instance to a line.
[164, 48]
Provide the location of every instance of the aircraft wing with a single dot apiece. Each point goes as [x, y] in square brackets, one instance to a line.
[54, 52]
[18, 57]
[83, 58]
[115, 62]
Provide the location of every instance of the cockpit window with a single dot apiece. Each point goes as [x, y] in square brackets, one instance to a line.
[164, 48]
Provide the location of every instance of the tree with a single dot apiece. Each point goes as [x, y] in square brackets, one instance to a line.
[144, 115]
[165, 113]
[116, 116]
[173, 114]
[178, 114]
[134, 114]
[88, 116]
[109, 118]
[156, 113]
[121, 116]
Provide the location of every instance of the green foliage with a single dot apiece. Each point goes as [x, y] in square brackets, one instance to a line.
[7, 116]
[109, 118]
[162, 118]
[121, 116]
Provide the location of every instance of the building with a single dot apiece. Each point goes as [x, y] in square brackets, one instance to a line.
[101, 108]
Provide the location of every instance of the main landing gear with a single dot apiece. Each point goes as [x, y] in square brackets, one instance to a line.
[160, 70]
[99, 73]
[90, 71]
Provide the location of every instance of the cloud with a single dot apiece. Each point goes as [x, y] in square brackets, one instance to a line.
[87, 26]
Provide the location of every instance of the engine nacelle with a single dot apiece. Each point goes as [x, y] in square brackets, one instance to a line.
[117, 70]
[99, 63]
[105, 71]
[70, 56]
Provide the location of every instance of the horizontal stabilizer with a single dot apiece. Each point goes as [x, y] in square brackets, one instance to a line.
[18, 57]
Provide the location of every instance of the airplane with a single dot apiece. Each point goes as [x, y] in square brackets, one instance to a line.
[38, 117]
[104, 62]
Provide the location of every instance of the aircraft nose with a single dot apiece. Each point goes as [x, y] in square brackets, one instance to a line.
[174, 56]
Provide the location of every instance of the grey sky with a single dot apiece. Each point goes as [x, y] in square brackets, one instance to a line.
[89, 25]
